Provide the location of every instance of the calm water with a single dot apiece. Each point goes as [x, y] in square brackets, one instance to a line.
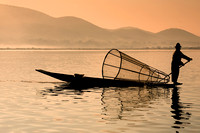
[33, 102]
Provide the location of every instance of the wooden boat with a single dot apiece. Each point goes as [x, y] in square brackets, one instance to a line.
[118, 70]
[80, 81]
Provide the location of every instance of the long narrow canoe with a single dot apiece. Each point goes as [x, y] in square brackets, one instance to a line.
[80, 81]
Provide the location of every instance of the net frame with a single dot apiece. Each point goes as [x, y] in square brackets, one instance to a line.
[153, 75]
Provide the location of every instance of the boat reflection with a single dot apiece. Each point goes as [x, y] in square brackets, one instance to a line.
[179, 114]
[61, 89]
[129, 103]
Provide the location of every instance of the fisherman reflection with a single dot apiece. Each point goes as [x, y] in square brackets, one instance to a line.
[178, 113]
[176, 63]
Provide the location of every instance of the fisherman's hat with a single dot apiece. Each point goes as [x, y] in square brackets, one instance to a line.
[178, 45]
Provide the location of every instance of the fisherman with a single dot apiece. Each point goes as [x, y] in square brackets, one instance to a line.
[176, 63]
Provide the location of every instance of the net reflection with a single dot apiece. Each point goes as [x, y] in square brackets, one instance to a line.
[129, 103]
[179, 114]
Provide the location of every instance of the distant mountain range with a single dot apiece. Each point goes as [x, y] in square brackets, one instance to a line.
[22, 27]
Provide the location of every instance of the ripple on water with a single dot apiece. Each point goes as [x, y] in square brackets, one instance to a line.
[27, 105]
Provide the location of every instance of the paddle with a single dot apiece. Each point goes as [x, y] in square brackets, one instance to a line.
[179, 67]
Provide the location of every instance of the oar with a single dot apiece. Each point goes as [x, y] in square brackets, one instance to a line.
[179, 67]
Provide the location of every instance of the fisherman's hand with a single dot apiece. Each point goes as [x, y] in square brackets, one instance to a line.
[182, 64]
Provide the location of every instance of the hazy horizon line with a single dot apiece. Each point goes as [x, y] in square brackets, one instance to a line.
[153, 48]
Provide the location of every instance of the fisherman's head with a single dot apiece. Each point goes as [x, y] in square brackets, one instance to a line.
[178, 46]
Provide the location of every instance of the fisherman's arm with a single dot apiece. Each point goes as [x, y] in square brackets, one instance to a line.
[185, 57]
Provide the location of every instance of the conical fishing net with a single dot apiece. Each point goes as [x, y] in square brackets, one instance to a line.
[119, 66]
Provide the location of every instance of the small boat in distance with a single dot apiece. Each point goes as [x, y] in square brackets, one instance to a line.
[118, 70]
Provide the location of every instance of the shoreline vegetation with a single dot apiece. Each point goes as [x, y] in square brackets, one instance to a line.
[156, 48]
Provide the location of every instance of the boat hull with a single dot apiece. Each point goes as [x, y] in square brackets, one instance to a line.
[80, 81]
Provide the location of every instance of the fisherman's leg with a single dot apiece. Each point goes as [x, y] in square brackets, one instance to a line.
[173, 70]
[175, 74]
[174, 77]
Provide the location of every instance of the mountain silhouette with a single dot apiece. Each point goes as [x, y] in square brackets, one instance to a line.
[23, 27]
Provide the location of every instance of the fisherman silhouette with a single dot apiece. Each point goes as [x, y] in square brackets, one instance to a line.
[176, 63]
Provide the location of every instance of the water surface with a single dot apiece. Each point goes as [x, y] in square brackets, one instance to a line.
[33, 102]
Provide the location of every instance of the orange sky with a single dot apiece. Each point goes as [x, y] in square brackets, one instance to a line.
[151, 15]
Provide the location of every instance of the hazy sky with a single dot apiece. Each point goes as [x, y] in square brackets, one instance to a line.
[151, 15]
